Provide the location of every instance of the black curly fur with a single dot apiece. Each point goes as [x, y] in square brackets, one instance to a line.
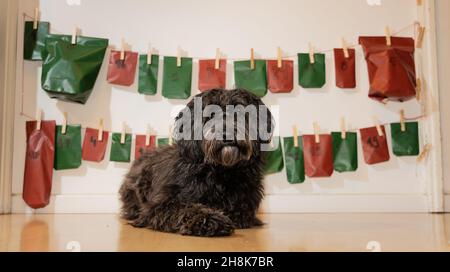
[184, 188]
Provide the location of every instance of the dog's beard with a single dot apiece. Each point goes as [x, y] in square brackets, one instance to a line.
[227, 154]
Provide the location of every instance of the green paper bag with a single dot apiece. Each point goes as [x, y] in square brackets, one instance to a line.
[68, 148]
[345, 152]
[120, 152]
[273, 160]
[293, 157]
[148, 75]
[254, 81]
[69, 71]
[34, 40]
[405, 143]
[311, 75]
[177, 80]
[163, 141]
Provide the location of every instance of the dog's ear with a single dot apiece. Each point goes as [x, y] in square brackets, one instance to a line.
[190, 150]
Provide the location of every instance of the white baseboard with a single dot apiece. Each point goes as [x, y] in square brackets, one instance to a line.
[271, 204]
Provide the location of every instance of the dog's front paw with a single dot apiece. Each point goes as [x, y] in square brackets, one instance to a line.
[208, 223]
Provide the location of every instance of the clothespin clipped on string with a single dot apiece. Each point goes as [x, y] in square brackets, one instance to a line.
[279, 58]
[178, 57]
[343, 129]
[295, 134]
[36, 18]
[420, 35]
[147, 136]
[418, 89]
[100, 130]
[387, 31]
[345, 48]
[124, 133]
[170, 135]
[378, 126]
[424, 154]
[64, 124]
[38, 118]
[122, 49]
[312, 59]
[149, 55]
[316, 132]
[419, 2]
[74, 35]
[402, 121]
[217, 62]
[252, 59]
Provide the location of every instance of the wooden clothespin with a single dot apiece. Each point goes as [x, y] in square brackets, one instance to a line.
[217, 62]
[387, 31]
[345, 48]
[122, 50]
[378, 126]
[36, 18]
[147, 136]
[252, 59]
[100, 130]
[38, 119]
[420, 36]
[312, 59]
[419, 2]
[316, 132]
[279, 58]
[343, 129]
[74, 35]
[124, 133]
[402, 120]
[295, 133]
[149, 55]
[418, 89]
[426, 150]
[64, 124]
[178, 57]
[170, 135]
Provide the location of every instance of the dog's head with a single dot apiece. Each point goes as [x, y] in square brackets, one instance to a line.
[223, 127]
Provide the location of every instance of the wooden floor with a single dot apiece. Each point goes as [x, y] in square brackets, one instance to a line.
[283, 232]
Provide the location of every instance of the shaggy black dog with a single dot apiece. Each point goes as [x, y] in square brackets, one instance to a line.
[202, 187]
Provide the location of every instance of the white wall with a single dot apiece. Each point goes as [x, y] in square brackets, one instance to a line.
[443, 26]
[198, 27]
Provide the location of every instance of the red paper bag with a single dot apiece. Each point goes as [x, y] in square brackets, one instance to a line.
[345, 68]
[375, 147]
[141, 148]
[211, 78]
[392, 72]
[318, 156]
[122, 72]
[280, 80]
[93, 149]
[39, 159]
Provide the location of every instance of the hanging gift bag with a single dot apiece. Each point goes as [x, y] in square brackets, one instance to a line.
[209, 77]
[311, 75]
[252, 80]
[39, 159]
[34, 40]
[163, 142]
[345, 152]
[148, 75]
[293, 158]
[392, 73]
[273, 159]
[142, 147]
[122, 71]
[280, 79]
[68, 147]
[405, 143]
[375, 147]
[69, 70]
[94, 148]
[120, 152]
[318, 156]
[177, 80]
[345, 68]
